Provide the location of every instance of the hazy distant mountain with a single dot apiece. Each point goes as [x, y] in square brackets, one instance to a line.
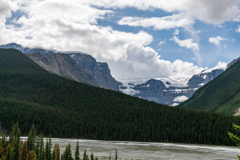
[73, 65]
[220, 95]
[168, 90]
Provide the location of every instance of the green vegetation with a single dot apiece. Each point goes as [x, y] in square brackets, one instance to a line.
[235, 138]
[220, 95]
[34, 149]
[64, 108]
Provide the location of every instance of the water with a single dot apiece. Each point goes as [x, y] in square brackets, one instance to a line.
[149, 151]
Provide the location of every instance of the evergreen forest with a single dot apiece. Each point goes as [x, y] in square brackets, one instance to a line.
[67, 109]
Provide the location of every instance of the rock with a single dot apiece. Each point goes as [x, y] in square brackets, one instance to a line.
[99, 71]
[63, 65]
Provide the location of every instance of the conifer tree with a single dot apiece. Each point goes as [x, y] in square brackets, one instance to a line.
[31, 139]
[3, 140]
[41, 148]
[8, 153]
[48, 149]
[85, 155]
[57, 153]
[116, 155]
[23, 154]
[77, 154]
[235, 138]
[92, 157]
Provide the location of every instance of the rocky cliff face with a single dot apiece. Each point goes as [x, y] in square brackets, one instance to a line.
[99, 71]
[63, 65]
[169, 91]
[74, 65]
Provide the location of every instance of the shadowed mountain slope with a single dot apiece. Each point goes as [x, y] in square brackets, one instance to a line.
[220, 95]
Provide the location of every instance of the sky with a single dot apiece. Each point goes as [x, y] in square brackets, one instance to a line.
[137, 38]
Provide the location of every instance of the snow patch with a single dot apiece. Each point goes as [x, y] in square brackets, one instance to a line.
[202, 84]
[180, 99]
[174, 104]
[175, 81]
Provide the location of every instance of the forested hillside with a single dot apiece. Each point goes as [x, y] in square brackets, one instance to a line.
[220, 95]
[65, 108]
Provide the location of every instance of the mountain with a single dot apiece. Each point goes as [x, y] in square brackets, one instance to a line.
[233, 62]
[65, 108]
[220, 95]
[168, 90]
[63, 65]
[85, 68]
[99, 71]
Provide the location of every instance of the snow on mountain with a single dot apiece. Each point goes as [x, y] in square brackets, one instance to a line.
[175, 81]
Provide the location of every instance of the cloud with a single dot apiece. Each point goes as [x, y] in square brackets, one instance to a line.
[221, 65]
[180, 99]
[162, 42]
[186, 68]
[187, 43]
[238, 30]
[168, 22]
[73, 25]
[6, 7]
[216, 40]
[213, 12]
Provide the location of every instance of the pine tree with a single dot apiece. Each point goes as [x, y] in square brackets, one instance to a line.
[31, 139]
[48, 149]
[41, 148]
[92, 157]
[77, 154]
[23, 154]
[8, 155]
[116, 155]
[85, 155]
[235, 138]
[57, 153]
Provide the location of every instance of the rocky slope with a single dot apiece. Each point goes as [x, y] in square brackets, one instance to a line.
[63, 65]
[73, 65]
[99, 71]
[169, 90]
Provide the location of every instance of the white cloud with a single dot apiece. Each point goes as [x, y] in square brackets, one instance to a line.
[162, 42]
[214, 11]
[157, 23]
[176, 32]
[187, 43]
[238, 30]
[186, 68]
[6, 7]
[180, 99]
[72, 25]
[221, 65]
[216, 40]
[60, 27]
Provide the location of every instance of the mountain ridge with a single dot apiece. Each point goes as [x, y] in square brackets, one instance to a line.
[220, 95]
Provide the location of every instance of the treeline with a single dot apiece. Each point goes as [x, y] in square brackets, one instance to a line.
[68, 109]
[34, 148]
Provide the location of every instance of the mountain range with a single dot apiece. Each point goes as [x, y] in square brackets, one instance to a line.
[84, 68]
[62, 108]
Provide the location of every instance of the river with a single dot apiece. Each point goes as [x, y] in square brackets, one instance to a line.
[149, 151]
